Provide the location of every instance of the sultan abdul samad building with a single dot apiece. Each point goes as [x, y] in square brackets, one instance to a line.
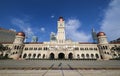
[60, 48]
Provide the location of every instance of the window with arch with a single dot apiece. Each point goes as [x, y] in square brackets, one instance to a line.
[70, 56]
[17, 47]
[119, 55]
[35, 48]
[95, 48]
[16, 52]
[86, 48]
[90, 48]
[106, 47]
[82, 55]
[43, 56]
[39, 48]
[26, 48]
[108, 53]
[87, 55]
[103, 47]
[81, 48]
[97, 56]
[76, 48]
[92, 56]
[51, 56]
[78, 56]
[25, 55]
[38, 56]
[114, 54]
[6, 55]
[29, 55]
[13, 52]
[34, 55]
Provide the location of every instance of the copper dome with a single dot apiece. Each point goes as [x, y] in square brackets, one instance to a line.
[100, 34]
[20, 34]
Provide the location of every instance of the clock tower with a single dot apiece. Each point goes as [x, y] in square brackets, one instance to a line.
[61, 30]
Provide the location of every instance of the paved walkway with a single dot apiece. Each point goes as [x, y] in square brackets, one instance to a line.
[59, 72]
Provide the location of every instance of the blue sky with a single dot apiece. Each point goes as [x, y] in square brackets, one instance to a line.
[39, 17]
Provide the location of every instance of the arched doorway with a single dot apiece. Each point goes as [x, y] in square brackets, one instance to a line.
[70, 56]
[61, 56]
[51, 56]
[25, 55]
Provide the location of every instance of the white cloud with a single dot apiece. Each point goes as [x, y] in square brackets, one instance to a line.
[12, 29]
[24, 26]
[42, 29]
[72, 26]
[29, 32]
[52, 16]
[111, 21]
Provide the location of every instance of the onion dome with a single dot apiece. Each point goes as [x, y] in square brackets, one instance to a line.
[20, 34]
[100, 34]
[60, 18]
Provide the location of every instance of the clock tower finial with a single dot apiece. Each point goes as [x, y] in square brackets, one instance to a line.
[61, 18]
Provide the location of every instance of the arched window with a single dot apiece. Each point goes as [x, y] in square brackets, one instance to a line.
[17, 47]
[119, 55]
[101, 47]
[86, 48]
[92, 56]
[34, 55]
[40, 48]
[16, 52]
[76, 48]
[43, 56]
[29, 55]
[38, 55]
[26, 48]
[83, 56]
[70, 56]
[25, 55]
[97, 56]
[1, 54]
[106, 47]
[6, 55]
[52, 56]
[20, 56]
[78, 56]
[114, 54]
[35, 48]
[87, 55]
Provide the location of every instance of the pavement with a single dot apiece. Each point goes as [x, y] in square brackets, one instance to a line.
[59, 72]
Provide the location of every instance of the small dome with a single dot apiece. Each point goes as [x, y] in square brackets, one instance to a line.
[21, 34]
[60, 18]
[100, 34]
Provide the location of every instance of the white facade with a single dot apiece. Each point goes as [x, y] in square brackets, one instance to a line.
[60, 48]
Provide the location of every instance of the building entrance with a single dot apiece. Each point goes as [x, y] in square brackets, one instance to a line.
[61, 56]
[70, 56]
[51, 56]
